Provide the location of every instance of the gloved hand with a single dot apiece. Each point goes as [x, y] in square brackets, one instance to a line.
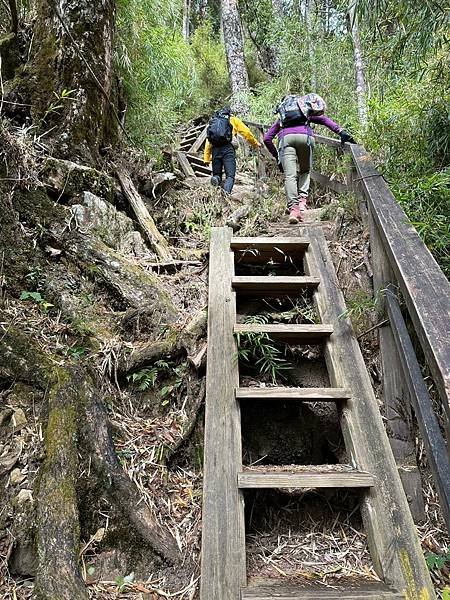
[346, 137]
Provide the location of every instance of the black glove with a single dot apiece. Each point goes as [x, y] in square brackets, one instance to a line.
[346, 137]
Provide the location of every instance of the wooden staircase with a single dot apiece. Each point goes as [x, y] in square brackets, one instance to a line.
[191, 162]
[391, 534]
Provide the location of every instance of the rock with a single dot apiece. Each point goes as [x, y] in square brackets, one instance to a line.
[19, 419]
[16, 477]
[114, 228]
[23, 496]
[69, 178]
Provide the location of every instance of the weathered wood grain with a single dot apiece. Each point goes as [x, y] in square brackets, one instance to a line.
[273, 592]
[433, 440]
[424, 286]
[375, 590]
[286, 393]
[311, 334]
[397, 403]
[223, 540]
[185, 164]
[270, 286]
[306, 479]
[199, 141]
[392, 538]
[269, 243]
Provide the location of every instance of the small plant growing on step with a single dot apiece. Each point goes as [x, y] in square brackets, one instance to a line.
[257, 349]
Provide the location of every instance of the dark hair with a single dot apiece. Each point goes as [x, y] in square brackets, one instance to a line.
[226, 110]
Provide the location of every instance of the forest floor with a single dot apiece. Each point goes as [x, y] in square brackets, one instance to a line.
[155, 402]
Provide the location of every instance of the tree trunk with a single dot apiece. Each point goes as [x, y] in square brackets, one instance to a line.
[71, 82]
[234, 48]
[186, 19]
[359, 69]
[309, 27]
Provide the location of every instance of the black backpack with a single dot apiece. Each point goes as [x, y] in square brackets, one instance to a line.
[220, 130]
[290, 112]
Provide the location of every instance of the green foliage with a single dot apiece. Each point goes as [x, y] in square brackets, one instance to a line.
[37, 298]
[146, 378]
[410, 132]
[257, 349]
[124, 582]
[56, 105]
[359, 305]
[166, 79]
[437, 561]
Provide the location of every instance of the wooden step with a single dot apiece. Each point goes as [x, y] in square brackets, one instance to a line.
[269, 286]
[282, 244]
[295, 393]
[325, 478]
[375, 591]
[196, 159]
[306, 334]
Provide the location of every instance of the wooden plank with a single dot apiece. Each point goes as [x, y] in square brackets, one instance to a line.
[283, 592]
[185, 164]
[424, 286]
[332, 142]
[305, 479]
[157, 242]
[433, 440]
[269, 243]
[223, 542]
[199, 141]
[391, 534]
[331, 184]
[268, 286]
[396, 398]
[308, 334]
[286, 393]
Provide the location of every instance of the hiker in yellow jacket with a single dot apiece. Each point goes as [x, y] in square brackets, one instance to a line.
[219, 147]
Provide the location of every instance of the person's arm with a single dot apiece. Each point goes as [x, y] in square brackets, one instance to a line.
[241, 128]
[207, 153]
[335, 128]
[268, 139]
[323, 120]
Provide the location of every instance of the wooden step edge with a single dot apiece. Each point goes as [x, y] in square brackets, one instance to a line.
[276, 592]
[285, 393]
[305, 479]
[292, 332]
[277, 281]
[269, 243]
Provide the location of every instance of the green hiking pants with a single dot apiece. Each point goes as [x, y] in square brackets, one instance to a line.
[295, 152]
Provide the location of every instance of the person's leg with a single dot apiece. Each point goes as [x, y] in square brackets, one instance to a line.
[229, 164]
[304, 148]
[288, 157]
[216, 164]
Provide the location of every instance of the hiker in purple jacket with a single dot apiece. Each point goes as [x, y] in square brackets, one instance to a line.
[295, 146]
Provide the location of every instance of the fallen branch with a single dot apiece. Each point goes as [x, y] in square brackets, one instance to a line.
[157, 242]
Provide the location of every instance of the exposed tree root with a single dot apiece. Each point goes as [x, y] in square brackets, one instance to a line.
[118, 485]
[58, 532]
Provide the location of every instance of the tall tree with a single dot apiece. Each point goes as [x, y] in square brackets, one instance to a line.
[361, 88]
[310, 26]
[234, 48]
[71, 82]
[186, 18]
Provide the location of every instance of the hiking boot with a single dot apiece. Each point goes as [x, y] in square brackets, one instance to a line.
[215, 181]
[302, 202]
[295, 215]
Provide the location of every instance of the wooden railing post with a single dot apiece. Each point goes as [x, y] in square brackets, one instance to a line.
[397, 400]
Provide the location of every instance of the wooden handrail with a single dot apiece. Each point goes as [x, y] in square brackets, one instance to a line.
[423, 285]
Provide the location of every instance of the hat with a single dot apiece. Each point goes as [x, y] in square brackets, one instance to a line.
[312, 105]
